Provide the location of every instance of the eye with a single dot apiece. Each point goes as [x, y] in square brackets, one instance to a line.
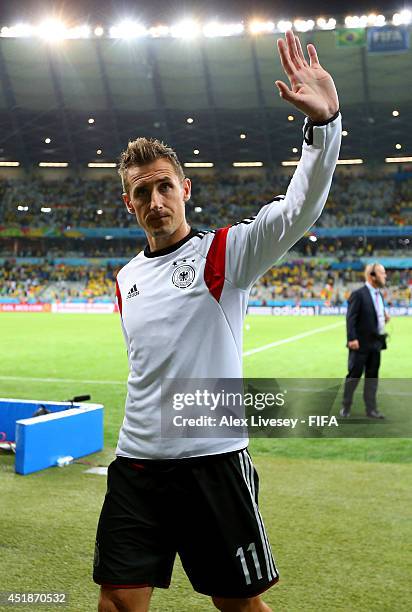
[165, 186]
[139, 193]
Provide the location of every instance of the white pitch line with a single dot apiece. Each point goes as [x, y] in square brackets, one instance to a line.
[65, 380]
[292, 338]
[117, 382]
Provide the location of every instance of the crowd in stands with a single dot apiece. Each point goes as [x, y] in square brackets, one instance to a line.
[31, 281]
[64, 247]
[303, 280]
[223, 199]
[355, 248]
[369, 199]
[298, 280]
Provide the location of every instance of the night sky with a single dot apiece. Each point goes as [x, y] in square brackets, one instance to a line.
[152, 11]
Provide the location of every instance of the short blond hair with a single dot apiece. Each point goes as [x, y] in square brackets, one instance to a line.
[144, 151]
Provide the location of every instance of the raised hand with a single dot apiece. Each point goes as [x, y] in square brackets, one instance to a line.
[312, 88]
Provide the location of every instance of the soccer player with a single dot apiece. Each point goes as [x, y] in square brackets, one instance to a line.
[182, 302]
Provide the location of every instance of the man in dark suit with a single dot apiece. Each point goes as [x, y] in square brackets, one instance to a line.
[365, 324]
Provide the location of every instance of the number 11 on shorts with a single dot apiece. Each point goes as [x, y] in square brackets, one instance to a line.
[252, 549]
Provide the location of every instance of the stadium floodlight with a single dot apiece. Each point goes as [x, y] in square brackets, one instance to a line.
[198, 209]
[402, 18]
[81, 31]
[261, 27]
[397, 160]
[160, 31]
[247, 164]
[102, 165]
[22, 208]
[90, 120]
[330, 24]
[20, 30]
[291, 118]
[196, 151]
[128, 29]
[45, 209]
[99, 151]
[380, 20]
[398, 146]
[294, 150]
[290, 163]
[313, 238]
[304, 25]
[354, 21]
[284, 26]
[395, 113]
[99, 212]
[349, 162]
[189, 120]
[344, 132]
[198, 165]
[9, 163]
[98, 31]
[53, 164]
[47, 140]
[188, 29]
[215, 29]
[52, 30]
[242, 136]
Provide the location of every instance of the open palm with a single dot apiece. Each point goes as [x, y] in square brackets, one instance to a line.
[312, 88]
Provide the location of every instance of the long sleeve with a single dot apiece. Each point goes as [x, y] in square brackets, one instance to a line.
[255, 244]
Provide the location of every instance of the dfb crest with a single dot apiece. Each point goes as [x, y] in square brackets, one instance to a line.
[183, 276]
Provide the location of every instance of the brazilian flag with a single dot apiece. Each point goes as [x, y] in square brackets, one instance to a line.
[350, 37]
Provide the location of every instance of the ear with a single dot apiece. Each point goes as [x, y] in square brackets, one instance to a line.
[127, 203]
[187, 189]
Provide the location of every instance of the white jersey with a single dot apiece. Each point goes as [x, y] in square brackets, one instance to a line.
[182, 308]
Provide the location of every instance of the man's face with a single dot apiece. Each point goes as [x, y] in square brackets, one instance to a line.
[157, 197]
[380, 276]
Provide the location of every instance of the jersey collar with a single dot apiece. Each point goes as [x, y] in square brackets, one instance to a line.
[173, 247]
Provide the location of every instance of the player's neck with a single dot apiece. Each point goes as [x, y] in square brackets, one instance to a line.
[157, 243]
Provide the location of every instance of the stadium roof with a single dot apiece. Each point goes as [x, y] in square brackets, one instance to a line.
[153, 86]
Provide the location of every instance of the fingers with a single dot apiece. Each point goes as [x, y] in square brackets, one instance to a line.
[285, 57]
[285, 92]
[313, 56]
[300, 51]
[291, 54]
[293, 50]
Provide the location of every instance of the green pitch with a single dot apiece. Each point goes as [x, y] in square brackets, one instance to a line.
[336, 511]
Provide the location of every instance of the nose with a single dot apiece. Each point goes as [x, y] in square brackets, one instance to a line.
[156, 201]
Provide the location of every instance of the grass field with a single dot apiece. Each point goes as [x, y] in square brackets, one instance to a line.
[336, 510]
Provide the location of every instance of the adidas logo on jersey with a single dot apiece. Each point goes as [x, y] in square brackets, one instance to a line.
[133, 292]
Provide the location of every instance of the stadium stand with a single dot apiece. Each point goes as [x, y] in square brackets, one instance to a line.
[64, 231]
[46, 260]
[292, 281]
[223, 199]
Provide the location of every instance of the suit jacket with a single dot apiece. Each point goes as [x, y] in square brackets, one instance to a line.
[362, 321]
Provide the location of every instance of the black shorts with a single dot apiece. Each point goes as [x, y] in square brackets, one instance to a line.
[204, 509]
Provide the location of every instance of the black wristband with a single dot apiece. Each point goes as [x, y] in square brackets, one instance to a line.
[308, 130]
[327, 120]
